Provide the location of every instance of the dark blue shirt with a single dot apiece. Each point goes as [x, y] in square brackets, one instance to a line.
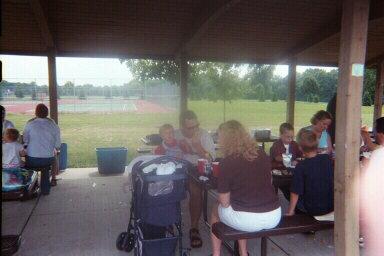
[313, 182]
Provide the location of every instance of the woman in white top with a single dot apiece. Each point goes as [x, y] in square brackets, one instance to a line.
[42, 138]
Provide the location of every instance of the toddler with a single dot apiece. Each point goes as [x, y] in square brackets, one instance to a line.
[169, 145]
[12, 150]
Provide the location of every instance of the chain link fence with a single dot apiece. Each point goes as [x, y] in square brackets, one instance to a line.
[22, 96]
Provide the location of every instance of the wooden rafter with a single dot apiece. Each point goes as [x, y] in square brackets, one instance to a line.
[202, 23]
[41, 20]
[375, 60]
[330, 29]
[320, 35]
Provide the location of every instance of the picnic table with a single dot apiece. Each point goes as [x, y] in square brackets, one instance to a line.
[282, 179]
[151, 141]
[271, 138]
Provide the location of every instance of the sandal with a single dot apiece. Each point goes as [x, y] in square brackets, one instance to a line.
[195, 238]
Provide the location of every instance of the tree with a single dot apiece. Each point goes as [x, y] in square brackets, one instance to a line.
[260, 75]
[224, 81]
[144, 70]
[367, 101]
[82, 94]
[327, 83]
[33, 95]
[274, 96]
[260, 91]
[69, 88]
[369, 86]
[107, 92]
[19, 92]
[200, 84]
[310, 88]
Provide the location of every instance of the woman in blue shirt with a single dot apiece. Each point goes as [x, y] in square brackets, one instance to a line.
[320, 123]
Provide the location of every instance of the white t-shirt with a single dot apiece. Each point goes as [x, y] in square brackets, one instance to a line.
[206, 141]
[286, 148]
[7, 124]
[42, 135]
[11, 155]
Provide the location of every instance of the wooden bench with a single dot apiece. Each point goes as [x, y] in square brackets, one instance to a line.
[288, 225]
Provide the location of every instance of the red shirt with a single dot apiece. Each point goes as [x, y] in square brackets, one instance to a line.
[278, 148]
[172, 149]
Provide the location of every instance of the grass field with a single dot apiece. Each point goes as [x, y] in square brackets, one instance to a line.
[83, 132]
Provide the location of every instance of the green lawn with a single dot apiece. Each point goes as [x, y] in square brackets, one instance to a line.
[83, 132]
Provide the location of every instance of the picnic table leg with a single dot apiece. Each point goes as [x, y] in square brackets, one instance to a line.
[236, 251]
[205, 207]
[263, 246]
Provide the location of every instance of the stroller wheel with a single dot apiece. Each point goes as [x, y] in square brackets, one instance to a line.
[125, 242]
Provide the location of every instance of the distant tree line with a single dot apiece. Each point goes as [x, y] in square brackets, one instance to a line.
[207, 80]
[32, 90]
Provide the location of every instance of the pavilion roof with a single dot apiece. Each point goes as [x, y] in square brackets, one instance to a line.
[263, 31]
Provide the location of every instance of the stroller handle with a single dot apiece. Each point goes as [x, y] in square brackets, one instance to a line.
[165, 159]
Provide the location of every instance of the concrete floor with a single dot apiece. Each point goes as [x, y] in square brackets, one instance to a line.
[84, 214]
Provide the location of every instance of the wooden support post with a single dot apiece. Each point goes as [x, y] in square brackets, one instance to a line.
[52, 85]
[353, 41]
[53, 108]
[183, 83]
[377, 112]
[291, 93]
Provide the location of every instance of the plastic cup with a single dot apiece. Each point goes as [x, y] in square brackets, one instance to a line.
[201, 166]
[287, 160]
[215, 169]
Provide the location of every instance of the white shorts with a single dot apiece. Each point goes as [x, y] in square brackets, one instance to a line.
[249, 221]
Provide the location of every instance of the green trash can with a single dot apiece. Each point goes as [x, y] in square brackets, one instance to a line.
[111, 160]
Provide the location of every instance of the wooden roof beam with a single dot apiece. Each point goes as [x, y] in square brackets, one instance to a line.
[332, 28]
[41, 20]
[202, 23]
[375, 61]
[320, 35]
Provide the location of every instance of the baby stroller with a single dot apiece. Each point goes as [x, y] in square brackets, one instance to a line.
[155, 221]
[19, 184]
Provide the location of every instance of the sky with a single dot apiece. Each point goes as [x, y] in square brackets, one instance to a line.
[96, 71]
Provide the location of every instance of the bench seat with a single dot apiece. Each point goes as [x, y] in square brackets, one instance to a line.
[288, 225]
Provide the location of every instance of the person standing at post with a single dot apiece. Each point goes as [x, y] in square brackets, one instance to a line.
[331, 108]
[196, 143]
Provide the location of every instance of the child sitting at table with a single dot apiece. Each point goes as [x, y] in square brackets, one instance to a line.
[285, 145]
[312, 184]
[169, 145]
[12, 150]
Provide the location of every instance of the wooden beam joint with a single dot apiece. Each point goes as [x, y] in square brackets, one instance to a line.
[41, 20]
[202, 24]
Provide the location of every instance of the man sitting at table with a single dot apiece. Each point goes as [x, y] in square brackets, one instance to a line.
[196, 143]
[285, 145]
[379, 135]
[312, 184]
